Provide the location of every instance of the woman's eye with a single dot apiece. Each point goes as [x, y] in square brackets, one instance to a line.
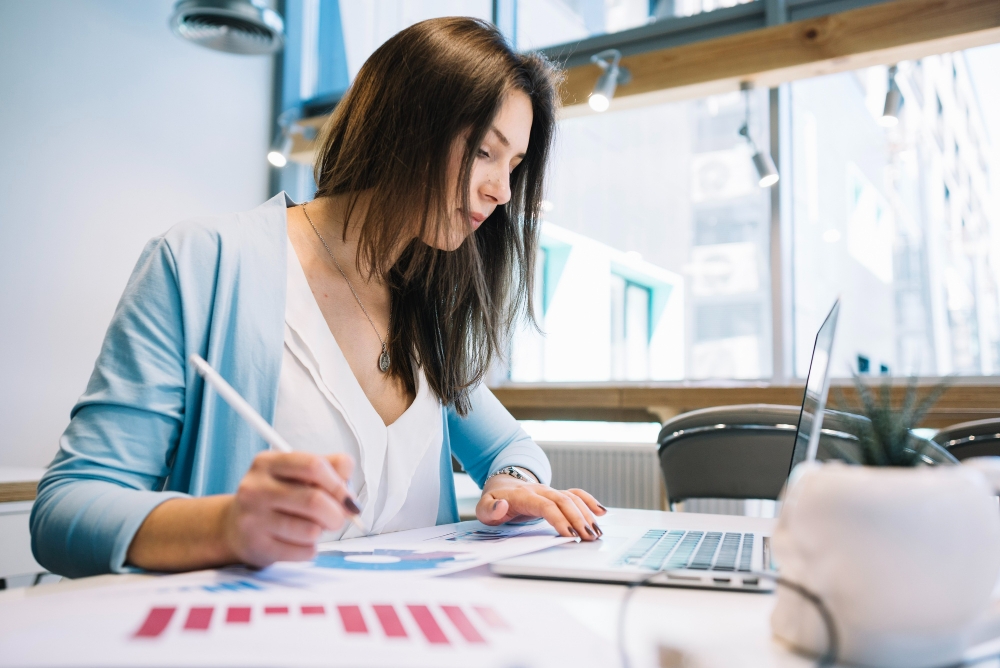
[484, 153]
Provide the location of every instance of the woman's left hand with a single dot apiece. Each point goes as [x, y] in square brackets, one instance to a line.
[571, 512]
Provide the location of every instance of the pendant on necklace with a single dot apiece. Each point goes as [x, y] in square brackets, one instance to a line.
[383, 360]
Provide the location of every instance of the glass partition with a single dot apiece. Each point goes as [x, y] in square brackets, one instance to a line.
[542, 23]
[896, 215]
[654, 261]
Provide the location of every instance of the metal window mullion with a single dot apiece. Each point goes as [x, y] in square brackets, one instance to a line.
[781, 237]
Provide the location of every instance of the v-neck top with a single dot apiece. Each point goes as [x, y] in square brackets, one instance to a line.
[321, 408]
[147, 429]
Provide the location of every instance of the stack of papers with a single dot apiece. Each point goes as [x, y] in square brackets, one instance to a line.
[363, 602]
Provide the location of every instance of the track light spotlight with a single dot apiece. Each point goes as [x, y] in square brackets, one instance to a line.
[767, 173]
[281, 147]
[893, 102]
[766, 170]
[612, 75]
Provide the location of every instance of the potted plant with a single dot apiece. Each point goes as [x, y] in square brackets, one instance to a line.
[890, 562]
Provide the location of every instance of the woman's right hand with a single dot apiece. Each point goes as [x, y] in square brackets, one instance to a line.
[283, 504]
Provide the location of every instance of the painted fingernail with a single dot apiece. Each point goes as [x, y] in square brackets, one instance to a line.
[602, 507]
[590, 531]
[351, 506]
[573, 531]
[599, 532]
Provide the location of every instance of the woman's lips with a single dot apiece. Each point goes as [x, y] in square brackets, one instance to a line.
[475, 220]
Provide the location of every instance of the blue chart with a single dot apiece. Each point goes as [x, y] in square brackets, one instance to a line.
[494, 535]
[385, 560]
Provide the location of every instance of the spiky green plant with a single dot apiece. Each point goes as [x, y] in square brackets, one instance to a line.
[887, 438]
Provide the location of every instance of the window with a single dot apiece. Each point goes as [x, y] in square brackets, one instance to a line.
[883, 218]
[630, 307]
[542, 23]
[656, 247]
[655, 244]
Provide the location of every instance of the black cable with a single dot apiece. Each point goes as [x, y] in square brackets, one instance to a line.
[828, 658]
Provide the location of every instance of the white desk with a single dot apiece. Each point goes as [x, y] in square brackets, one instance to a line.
[716, 628]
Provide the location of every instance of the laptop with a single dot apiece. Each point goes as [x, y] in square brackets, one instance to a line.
[689, 550]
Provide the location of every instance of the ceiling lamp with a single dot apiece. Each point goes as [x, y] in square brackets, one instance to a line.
[246, 27]
[288, 126]
[767, 173]
[613, 74]
[893, 102]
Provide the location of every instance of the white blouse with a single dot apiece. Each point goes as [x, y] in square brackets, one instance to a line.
[322, 409]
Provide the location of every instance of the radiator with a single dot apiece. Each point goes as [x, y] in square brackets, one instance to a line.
[748, 507]
[619, 475]
[627, 475]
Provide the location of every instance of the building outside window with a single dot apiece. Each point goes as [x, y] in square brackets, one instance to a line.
[898, 221]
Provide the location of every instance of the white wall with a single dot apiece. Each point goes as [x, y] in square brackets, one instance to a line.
[111, 130]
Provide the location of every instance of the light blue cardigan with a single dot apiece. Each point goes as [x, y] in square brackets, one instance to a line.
[146, 430]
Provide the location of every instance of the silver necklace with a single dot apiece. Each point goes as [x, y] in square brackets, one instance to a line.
[383, 359]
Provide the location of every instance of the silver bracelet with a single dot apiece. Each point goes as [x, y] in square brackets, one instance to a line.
[512, 471]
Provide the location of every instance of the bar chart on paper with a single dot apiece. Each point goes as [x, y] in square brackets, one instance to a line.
[434, 624]
[419, 623]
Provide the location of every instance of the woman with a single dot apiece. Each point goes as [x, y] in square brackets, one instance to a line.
[361, 324]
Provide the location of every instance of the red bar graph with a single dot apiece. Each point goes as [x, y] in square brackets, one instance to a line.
[198, 619]
[425, 620]
[490, 616]
[238, 615]
[156, 622]
[462, 623]
[352, 617]
[354, 621]
[389, 620]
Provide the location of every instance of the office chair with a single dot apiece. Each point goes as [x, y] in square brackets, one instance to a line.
[979, 438]
[743, 452]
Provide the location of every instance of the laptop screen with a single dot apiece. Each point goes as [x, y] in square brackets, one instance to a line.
[817, 386]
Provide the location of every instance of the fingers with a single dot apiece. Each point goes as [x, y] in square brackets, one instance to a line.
[307, 503]
[550, 511]
[567, 512]
[294, 530]
[309, 469]
[491, 510]
[313, 470]
[274, 549]
[585, 511]
[342, 464]
[592, 503]
[572, 513]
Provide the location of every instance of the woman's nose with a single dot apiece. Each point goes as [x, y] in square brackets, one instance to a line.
[497, 187]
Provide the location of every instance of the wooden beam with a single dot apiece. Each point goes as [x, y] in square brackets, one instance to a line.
[874, 35]
[968, 399]
[878, 34]
[18, 491]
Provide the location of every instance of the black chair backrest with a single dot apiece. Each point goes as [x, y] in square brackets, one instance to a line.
[743, 452]
[729, 452]
[980, 438]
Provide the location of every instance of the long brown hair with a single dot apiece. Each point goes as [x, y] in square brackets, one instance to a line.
[391, 136]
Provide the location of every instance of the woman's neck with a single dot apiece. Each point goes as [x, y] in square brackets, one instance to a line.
[330, 215]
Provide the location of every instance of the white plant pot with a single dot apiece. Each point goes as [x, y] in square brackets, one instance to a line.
[905, 559]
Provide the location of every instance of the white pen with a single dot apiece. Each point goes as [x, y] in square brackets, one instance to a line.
[253, 418]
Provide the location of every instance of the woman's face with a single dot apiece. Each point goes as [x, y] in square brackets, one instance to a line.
[502, 150]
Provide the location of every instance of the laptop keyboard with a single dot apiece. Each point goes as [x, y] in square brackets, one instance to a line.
[660, 549]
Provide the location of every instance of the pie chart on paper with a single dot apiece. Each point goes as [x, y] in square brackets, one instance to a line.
[386, 560]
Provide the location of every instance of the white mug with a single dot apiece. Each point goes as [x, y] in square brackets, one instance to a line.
[904, 559]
